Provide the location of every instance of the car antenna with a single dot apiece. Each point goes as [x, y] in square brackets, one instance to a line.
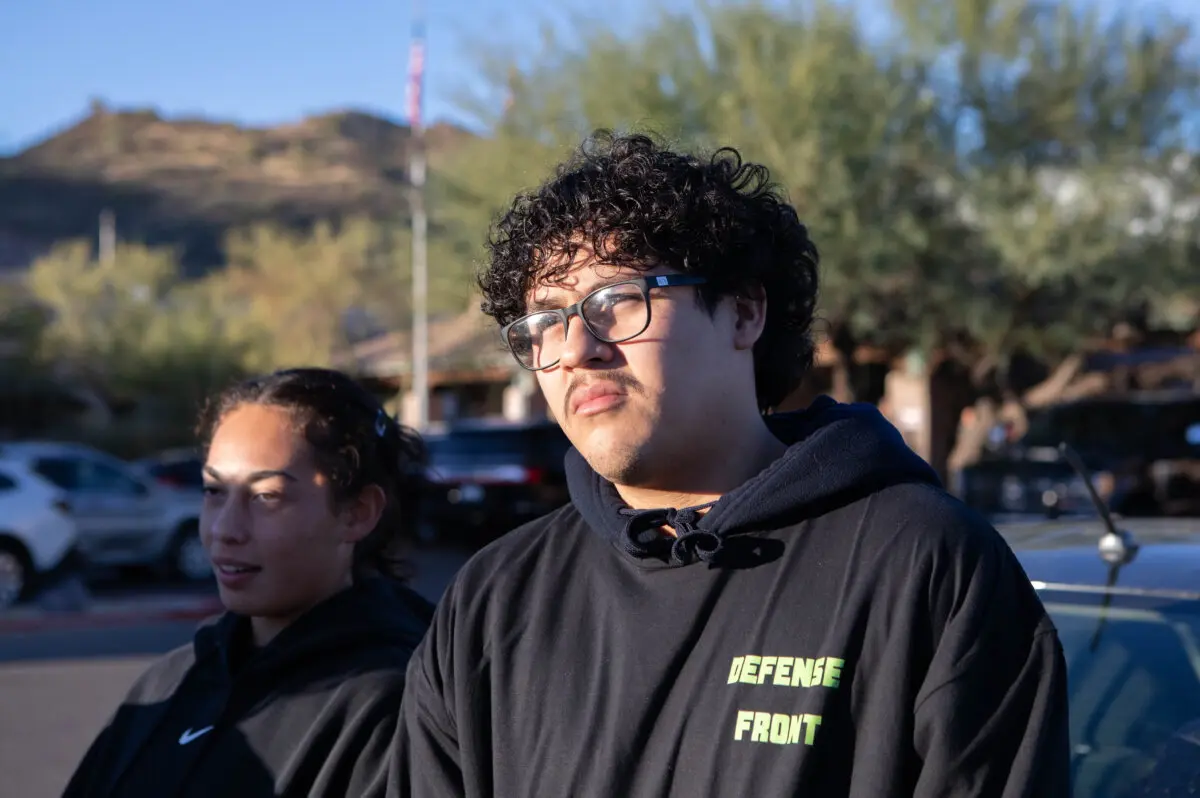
[1117, 546]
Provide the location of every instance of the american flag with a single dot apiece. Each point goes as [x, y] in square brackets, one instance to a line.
[416, 76]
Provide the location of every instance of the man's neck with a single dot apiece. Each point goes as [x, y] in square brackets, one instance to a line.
[711, 475]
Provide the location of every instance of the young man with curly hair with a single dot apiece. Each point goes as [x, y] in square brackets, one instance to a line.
[735, 602]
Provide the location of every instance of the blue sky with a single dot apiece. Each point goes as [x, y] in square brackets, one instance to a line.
[253, 61]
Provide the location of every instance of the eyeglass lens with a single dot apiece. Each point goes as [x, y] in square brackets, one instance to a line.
[613, 314]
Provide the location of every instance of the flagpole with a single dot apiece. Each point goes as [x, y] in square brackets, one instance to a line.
[108, 236]
[420, 274]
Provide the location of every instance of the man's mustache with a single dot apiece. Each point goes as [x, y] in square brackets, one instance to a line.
[621, 379]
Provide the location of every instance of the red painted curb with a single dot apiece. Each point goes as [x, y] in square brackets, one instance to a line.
[63, 621]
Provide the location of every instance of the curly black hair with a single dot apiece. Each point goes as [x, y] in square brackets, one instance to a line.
[636, 203]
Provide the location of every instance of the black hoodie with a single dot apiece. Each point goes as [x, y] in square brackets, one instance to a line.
[837, 626]
[312, 713]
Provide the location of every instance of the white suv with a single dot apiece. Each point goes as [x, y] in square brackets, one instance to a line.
[37, 532]
[124, 517]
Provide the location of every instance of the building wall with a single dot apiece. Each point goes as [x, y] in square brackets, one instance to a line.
[518, 399]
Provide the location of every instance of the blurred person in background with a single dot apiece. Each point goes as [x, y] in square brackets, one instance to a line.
[735, 602]
[295, 690]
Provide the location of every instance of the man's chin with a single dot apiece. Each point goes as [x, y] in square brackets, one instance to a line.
[612, 450]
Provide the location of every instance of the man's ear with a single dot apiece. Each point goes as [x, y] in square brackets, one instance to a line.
[750, 316]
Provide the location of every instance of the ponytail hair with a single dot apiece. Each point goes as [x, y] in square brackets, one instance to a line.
[356, 444]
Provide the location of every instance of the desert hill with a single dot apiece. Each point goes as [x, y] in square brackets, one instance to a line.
[185, 182]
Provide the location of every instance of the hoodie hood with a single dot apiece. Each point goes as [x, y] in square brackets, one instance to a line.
[375, 613]
[836, 454]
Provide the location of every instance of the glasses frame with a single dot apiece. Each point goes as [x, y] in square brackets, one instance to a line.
[565, 314]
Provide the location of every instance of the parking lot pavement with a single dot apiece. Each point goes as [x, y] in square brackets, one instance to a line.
[52, 711]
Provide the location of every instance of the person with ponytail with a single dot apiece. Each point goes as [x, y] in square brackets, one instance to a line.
[295, 689]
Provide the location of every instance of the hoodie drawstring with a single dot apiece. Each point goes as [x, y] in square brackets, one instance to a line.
[642, 536]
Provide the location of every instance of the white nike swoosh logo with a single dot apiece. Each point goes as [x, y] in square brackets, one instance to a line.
[190, 735]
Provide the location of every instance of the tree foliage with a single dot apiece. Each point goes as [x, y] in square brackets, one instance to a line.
[140, 328]
[986, 171]
[132, 324]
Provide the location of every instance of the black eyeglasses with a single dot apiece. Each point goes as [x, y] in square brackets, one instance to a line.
[613, 314]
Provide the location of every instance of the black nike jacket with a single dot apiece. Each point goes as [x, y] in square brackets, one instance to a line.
[310, 714]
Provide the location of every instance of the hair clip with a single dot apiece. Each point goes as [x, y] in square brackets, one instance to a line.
[381, 424]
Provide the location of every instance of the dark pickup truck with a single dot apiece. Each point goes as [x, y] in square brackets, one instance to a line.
[1143, 450]
[486, 478]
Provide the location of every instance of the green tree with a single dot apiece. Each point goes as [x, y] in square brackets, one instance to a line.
[101, 309]
[852, 134]
[977, 179]
[1069, 144]
[302, 297]
[135, 326]
[22, 327]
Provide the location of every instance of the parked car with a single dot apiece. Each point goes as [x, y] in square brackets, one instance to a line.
[1143, 450]
[484, 479]
[124, 517]
[175, 468]
[1128, 615]
[37, 533]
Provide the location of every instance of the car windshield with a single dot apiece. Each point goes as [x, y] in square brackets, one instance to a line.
[1134, 679]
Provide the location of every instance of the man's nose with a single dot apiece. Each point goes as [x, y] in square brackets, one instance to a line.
[580, 346]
